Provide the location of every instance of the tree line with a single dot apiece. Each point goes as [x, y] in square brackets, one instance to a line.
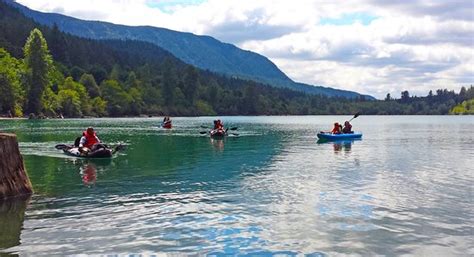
[38, 85]
[57, 74]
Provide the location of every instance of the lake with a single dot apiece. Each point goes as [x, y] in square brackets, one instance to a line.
[406, 188]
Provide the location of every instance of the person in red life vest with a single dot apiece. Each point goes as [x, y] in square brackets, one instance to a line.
[218, 124]
[347, 128]
[337, 128]
[89, 140]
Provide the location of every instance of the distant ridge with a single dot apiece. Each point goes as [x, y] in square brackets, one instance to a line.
[204, 52]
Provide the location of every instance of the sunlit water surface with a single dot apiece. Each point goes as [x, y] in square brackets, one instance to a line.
[406, 188]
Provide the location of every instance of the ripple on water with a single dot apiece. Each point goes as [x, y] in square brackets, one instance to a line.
[404, 189]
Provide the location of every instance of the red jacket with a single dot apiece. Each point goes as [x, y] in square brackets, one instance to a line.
[90, 139]
[336, 129]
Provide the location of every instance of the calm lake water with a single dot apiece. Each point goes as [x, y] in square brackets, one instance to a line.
[406, 188]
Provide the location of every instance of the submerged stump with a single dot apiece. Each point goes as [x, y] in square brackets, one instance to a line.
[14, 180]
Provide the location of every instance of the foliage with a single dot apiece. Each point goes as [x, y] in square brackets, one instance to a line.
[74, 99]
[91, 85]
[204, 108]
[70, 102]
[118, 100]
[99, 107]
[50, 102]
[38, 67]
[11, 92]
[466, 107]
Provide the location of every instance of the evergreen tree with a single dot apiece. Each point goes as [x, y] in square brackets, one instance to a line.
[99, 73]
[58, 45]
[91, 86]
[38, 64]
[169, 81]
[462, 92]
[191, 81]
[405, 96]
[250, 100]
[132, 81]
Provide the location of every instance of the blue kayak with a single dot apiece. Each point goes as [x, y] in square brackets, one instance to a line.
[330, 136]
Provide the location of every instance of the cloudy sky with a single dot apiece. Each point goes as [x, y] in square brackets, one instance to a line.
[369, 46]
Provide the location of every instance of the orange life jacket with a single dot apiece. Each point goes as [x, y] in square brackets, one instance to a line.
[90, 139]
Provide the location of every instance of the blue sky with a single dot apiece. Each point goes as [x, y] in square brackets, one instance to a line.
[370, 46]
[348, 19]
[168, 5]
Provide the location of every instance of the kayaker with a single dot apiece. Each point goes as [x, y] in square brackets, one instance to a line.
[166, 122]
[347, 128]
[89, 140]
[218, 124]
[337, 129]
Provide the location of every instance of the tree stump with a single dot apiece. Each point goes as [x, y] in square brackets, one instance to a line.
[14, 180]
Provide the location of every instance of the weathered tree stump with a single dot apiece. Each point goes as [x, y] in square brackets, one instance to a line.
[14, 180]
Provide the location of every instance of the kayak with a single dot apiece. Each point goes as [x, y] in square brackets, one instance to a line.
[103, 152]
[166, 125]
[330, 136]
[217, 133]
[99, 153]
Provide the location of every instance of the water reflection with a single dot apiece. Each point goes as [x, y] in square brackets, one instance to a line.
[89, 169]
[218, 144]
[12, 215]
[340, 145]
[89, 174]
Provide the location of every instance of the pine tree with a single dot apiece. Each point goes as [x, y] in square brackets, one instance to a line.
[89, 82]
[38, 64]
[169, 80]
[58, 45]
[191, 84]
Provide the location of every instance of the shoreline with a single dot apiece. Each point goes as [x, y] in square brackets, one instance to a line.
[283, 115]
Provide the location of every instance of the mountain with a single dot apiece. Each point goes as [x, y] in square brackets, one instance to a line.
[127, 77]
[200, 51]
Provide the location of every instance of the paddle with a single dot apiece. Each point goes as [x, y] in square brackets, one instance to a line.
[117, 148]
[62, 146]
[203, 132]
[355, 116]
[232, 128]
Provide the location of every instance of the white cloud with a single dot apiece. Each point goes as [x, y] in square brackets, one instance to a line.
[372, 46]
